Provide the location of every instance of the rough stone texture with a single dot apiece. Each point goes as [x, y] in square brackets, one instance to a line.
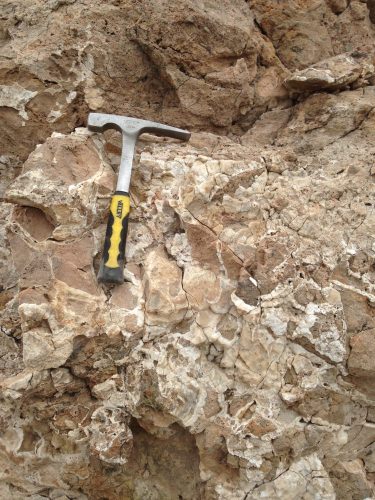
[237, 360]
[362, 355]
[342, 71]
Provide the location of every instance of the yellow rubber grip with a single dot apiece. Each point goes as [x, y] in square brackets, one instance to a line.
[119, 210]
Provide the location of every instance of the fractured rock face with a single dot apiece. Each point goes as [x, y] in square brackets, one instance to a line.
[166, 301]
[222, 327]
[236, 361]
[334, 73]
[62, 178]
[362, 355]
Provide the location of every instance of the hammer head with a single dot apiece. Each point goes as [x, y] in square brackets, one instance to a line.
[98, 122]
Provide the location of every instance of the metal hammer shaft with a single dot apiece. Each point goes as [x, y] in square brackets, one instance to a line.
[112, 264]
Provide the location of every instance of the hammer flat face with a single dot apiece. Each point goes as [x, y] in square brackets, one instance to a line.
[98, 122]
[111, 267]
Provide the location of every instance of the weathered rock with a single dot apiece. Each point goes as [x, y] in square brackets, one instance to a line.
[306, 32]
[236, 360]
[62, 178]
[350, 478]
[110, 422]
[338, 6]
[323, 119]
[165, 300]
[304, 479]
[254, 314]
[361, 362]
[334, 73]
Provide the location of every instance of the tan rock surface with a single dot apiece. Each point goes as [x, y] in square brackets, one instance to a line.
[236, 361]
[337, 72]
[362, 355]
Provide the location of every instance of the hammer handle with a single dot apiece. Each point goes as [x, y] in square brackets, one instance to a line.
[112, 265]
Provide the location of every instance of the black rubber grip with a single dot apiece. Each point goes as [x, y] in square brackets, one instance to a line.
[112, 265]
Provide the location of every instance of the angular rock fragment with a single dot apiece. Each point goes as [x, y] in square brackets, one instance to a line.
[305, 477]
[334, 73]
[361, 362]
[111, 439]
[40, 351]
[322, 119]
[165, 299]
[61, 178]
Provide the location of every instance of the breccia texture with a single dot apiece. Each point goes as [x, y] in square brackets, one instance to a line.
[237, 360]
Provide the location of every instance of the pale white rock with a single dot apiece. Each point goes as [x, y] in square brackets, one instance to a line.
[333, 73]
[40, 350]
[15, 96]
[274, 320]
[201, 297]
[61, 377]
[306, 478]
[165, 300]
[19, 382]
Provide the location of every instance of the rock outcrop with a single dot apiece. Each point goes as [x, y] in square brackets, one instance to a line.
[237, 359]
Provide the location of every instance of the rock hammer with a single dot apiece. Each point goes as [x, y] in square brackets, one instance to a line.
[112, 264]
